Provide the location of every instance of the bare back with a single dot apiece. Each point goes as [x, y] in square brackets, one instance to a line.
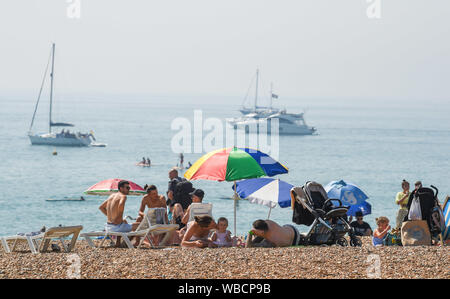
[115, 205]
[279, 235]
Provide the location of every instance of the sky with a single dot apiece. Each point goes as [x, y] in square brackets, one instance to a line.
[307, 48]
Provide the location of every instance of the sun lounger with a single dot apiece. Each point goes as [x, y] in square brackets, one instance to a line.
[152, 224]
[200, 209]
[40, 242]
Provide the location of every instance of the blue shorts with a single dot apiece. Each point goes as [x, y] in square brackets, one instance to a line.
[118, 228]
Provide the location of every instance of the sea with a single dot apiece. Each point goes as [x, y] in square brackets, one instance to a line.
[372, 143]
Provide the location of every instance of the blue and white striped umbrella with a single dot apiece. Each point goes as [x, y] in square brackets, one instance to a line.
[265, 191]
[446, 211]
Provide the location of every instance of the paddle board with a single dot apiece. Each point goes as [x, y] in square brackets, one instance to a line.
[66, 199]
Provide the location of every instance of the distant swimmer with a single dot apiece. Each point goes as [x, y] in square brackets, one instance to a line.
[143, 160]
[189, 164]
[148, 161]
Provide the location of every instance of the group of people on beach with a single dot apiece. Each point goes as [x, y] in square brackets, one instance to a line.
[196, 231]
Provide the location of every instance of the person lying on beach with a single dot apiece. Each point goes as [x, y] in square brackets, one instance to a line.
[269, 234]
[113, 208]
[222, 237]
[380, 233]
[198, 231]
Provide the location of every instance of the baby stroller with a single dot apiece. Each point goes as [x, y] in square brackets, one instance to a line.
[430, 209]
[328, 222]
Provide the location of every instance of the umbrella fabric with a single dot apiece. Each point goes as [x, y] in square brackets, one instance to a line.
[348, 193]
[110, 186]
[232, 164]
[446, 211]
[265, 191]
[364, 207]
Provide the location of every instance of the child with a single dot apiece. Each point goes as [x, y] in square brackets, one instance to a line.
[222, 237]
[380, 233]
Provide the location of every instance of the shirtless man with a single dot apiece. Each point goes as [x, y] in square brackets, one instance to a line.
[151, 200]
[114, 207]
[270, 234]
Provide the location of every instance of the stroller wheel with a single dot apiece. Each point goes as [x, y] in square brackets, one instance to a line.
[355, 242]
[342, 242]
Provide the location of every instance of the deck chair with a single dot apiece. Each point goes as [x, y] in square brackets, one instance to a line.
[153, 223]
[200, 209]
[40, 242]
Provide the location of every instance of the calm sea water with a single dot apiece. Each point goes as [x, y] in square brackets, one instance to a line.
[373, 144]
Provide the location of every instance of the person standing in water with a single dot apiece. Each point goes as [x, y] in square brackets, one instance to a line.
[181, 160]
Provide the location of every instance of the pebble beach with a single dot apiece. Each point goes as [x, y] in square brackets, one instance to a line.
[231, 263]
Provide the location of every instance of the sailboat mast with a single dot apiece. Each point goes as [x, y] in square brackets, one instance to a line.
[256, 91]
[271, 94]
[51, 89]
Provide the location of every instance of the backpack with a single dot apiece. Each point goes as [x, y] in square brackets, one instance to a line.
[181, 194]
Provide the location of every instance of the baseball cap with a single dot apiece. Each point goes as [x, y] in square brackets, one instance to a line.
[197, 192]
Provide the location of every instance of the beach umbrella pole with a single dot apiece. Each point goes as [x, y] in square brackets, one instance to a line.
[270, 210]
[235, 198]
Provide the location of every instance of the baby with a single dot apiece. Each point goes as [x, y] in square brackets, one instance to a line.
[222, 237]
[380, 233]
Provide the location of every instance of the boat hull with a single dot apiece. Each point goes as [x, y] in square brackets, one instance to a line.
[256, 127]
[54, 140]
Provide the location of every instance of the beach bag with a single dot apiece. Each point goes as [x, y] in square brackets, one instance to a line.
[392, 238]
[415, 233]
[415, 212]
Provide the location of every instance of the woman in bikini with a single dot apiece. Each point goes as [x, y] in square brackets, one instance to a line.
[198, 231]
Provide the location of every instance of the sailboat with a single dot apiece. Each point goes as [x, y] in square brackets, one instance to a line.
[64, 137]
[253, 118]
[259, 111]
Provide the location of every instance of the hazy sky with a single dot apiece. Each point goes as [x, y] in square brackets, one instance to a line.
[308, 48]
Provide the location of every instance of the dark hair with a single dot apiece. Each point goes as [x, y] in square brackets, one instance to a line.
[222, 219]
[150, 188]
[122, 184]
[261, 224]
[204, 220]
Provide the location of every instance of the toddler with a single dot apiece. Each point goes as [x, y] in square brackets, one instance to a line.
[222, 237]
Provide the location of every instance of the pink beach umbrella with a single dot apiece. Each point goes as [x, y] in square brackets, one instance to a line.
[108, 187]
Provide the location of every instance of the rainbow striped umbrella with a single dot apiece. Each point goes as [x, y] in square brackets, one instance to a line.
[233, 164]
[108, 187]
